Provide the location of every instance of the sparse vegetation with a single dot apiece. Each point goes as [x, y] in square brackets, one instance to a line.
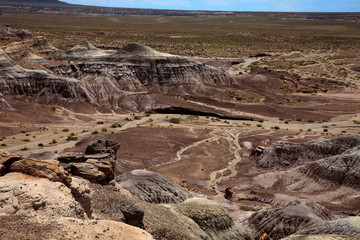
[25, 149]
[104, 129]
[66, 130]
[137, 118]
[325, 130]
[276, 127]
[100, 122]
[259, 125]
[115, 125]
[261, 120]
[174, 120]
[26, 140]
[3, 145]
[40, 144]
[95, 132]
[71, 138]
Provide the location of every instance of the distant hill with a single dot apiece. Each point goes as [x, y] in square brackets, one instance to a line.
[34, 2]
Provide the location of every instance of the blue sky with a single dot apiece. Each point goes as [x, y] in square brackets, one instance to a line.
[233, 5]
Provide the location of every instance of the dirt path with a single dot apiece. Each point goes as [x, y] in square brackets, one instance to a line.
[232, 137]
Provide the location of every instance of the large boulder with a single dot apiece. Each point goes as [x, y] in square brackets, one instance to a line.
[152, 187]
[87, 171]
[102, 146]
[44, 169]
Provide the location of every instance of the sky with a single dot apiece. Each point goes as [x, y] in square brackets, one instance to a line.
[232, 5]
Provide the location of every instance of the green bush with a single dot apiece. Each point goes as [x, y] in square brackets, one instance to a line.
[175, 120]
[104, 129]
[115, 125]
[261, 120]
[71, 138]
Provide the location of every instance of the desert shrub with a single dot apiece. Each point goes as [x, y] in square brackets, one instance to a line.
[95, 132]
[66, 130]
[54, 141]
[325, 130]
[149, 112]
[137, 118]
[3, 145]
[100, 122]
[71, 138]
[104, 129]
[115, 125]
[286, 121]
[276, 127]
[261, 120]
[259, 125]
[26, 140]
[128, 119]
[40, 144]
[25, 149]
[174, 120]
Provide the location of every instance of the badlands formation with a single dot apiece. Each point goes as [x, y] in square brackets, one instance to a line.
[137, 144]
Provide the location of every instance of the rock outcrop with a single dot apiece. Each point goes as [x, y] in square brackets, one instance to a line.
[97, 164]
[282, 222]
[286, 154]
[121, 80]
[212, 219]
[43, 169]
[349, 228]
[25, 195]
[152, 187]
[343, 169]
[197, 219]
